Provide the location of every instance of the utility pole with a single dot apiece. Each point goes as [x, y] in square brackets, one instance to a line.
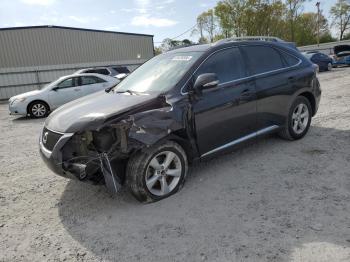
[318, 23]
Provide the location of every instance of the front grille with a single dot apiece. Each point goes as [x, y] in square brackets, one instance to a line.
[50, 139]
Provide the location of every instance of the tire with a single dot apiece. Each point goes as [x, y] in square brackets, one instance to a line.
[329, 67]
[148, 176]
[38, 109]
[297, 124]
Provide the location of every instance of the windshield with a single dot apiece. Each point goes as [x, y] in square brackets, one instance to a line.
[52, 84]
[159, 74]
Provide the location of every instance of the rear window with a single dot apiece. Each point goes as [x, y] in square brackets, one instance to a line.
[262, 59]
[90, 80]
[98, 71]
[289, 59]
[122, 70]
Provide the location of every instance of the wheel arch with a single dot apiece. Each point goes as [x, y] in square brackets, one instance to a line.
[184, 141]
[35, 101]
[310, 97]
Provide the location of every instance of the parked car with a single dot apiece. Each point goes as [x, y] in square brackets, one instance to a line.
[342, 61]
[39, 103]
[108, 71]
[324, 62]
[341, 55]
[179, 107]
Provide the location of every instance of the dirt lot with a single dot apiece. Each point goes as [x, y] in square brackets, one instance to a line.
[271, 201]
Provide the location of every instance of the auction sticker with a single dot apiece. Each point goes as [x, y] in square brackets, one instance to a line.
[182, 58]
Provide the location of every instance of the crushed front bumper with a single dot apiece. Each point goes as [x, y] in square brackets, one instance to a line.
[53, 158]
[54, 161]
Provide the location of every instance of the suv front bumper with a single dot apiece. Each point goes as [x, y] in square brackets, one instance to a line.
[53, 159]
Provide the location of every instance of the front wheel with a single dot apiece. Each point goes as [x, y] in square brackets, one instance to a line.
[157, 172]
[38, 109]
[299, 119]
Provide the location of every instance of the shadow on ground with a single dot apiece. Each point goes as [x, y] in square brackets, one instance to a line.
[271, 201]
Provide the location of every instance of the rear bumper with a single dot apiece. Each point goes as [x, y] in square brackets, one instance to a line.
[317, 94]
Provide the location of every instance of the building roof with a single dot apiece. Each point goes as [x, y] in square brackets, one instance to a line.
[72, 28]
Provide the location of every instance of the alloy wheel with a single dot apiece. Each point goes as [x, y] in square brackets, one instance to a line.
[329, 66]
[300, 118]
[38, 110]
[163, 173]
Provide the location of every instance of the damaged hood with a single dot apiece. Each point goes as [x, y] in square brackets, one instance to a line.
[92, 111]
[342, 50]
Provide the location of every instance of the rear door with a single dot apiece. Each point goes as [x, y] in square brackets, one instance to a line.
[276, 79]
[227, 113]
[91, 84]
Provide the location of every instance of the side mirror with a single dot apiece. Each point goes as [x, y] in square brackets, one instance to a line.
[206, 81]
[54, 88]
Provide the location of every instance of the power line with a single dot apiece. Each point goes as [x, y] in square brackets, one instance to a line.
[173, 38]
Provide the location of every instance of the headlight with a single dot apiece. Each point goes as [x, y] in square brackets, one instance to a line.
[22, 99]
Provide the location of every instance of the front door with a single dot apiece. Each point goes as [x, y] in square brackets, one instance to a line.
[64, 92]
[225, 115]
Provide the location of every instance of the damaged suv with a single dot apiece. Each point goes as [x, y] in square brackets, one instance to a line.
[182, 106]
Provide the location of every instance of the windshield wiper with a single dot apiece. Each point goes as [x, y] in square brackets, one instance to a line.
[107, 90]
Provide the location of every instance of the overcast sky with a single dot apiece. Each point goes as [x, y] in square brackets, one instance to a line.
[161, 18]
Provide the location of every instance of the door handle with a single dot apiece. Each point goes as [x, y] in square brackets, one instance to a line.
[291, 79]
[77, 90]
[245, 96]
[246, 93]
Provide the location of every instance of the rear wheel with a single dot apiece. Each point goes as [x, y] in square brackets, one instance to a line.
[299, 119]
[157, 172]
[38, 109]
[329, 66]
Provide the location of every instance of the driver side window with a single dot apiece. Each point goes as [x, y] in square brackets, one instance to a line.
[70, 82]
[227, 64]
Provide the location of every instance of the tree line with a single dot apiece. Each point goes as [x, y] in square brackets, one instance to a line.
[285, 19]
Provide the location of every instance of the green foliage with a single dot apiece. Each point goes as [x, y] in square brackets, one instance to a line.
[206, 23]
[169, 44]
[283, 19]
[327, 37]
[346, 36]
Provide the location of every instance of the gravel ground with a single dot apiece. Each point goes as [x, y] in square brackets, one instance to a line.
[271, 201]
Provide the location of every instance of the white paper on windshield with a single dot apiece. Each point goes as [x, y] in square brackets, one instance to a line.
[182, 58]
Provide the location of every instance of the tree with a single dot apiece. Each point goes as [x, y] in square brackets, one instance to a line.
[327, 37]
[340, 13]
[158, 50]
[231, 15]
[306, 28]
[281, 18]
[206, 22]
[346, 36]
[169, 44]
[294, 10]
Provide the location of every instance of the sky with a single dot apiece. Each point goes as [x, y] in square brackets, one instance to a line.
[161, 18]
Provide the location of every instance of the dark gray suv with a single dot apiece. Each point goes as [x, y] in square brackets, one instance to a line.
[182, 106]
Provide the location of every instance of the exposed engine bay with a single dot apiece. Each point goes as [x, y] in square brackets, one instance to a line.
[100, 156]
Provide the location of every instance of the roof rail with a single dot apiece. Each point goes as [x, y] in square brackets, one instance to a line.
[250, 38]
[256, 38]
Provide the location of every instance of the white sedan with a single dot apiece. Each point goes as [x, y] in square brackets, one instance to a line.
[39, 103]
